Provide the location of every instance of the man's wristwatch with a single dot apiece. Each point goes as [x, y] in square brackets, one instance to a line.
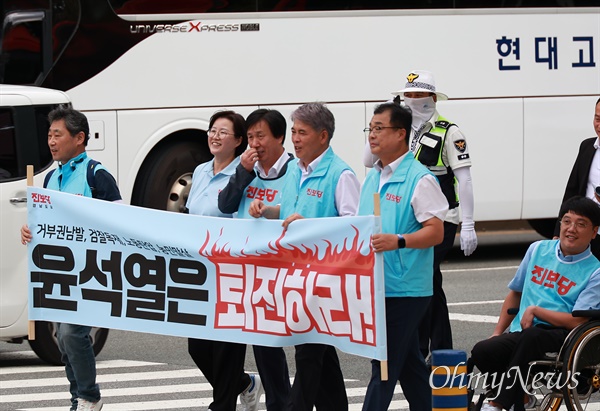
[401, 241]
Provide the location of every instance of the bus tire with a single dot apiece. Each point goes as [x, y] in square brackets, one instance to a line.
[544, 227]
[165, 178]
[45, 344]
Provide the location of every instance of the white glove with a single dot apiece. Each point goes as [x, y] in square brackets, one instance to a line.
[468, 238]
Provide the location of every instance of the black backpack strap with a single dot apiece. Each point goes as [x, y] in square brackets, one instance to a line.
[47, 178]
[91, 176]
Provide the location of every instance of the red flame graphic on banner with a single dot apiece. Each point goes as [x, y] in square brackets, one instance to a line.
[349, 258]
[289, 289]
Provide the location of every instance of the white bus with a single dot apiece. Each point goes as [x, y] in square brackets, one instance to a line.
[522, 81]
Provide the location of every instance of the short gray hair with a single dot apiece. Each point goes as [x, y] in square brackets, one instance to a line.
[317, 116]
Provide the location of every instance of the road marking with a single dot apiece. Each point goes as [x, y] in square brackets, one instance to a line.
[201, 400]
[111, 396]
[111, 392]
[106, 378]
[155, 389]
[53, 368]
[477, 302]
[176, 404]
[463, 270]
[474, 318]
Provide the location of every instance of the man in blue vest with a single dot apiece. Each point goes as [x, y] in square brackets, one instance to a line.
[412, 214]
[319, 184]
[555, 278]
[441, 147]
[260, 175]
[76, 174]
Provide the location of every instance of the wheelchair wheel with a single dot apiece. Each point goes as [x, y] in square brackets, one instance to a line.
[581, 367]
[550, 404]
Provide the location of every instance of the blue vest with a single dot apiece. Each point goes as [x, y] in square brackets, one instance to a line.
[72, 176]
[269, 191]
[408, 272]
[315, 197]
[204, 194]
[551, 283]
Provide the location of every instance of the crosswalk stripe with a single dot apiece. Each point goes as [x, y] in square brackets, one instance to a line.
[155, 389]
[142, 405]
[106, 378]
[53, 368]
[202, 402]
[474, 318]
[111, 392]
[111, 395]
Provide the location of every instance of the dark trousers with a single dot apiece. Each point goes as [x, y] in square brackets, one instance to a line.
[274, 375]
[319, 381]
[405, 362]
[222, 363]
[435, 332]
[501, 353]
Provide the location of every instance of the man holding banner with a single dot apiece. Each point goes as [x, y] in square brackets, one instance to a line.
[319, 184]
[413, 209]
[260, 175]
[76, 174]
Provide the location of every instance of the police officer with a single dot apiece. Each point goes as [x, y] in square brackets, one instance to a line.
[440, 145]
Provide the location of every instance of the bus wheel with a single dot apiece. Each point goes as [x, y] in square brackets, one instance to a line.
[165, 178]
[544, 227]
[45, 344]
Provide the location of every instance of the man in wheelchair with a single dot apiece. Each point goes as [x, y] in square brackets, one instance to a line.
[555, 278]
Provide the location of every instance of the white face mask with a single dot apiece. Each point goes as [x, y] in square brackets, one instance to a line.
[422, 109]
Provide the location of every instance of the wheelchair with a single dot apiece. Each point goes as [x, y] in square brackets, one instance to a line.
[573, 374]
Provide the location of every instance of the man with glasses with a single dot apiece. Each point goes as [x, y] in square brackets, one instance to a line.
[413, 208]
[555, 278]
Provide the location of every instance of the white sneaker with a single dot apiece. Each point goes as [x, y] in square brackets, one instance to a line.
[84, 405]
[531, 403]
[250, 397]
[489, 407]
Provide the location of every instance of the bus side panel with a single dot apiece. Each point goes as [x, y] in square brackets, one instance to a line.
[141, 130]
[554, 128]
[494, 133]
[103, 139]
[352, 57]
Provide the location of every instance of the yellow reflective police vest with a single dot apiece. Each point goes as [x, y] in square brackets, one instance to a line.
[429, 153]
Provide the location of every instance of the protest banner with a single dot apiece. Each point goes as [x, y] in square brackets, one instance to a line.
[118, 266]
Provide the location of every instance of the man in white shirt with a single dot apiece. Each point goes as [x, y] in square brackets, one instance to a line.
[319, 184]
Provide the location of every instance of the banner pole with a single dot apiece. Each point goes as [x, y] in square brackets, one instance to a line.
[30, 324]
[377, 211]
